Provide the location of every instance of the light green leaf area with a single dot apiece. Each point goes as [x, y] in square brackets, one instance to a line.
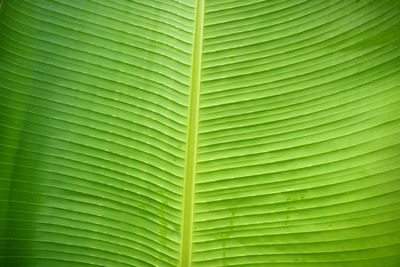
[200, 133]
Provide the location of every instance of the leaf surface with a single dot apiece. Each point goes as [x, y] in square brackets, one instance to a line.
[199, 133]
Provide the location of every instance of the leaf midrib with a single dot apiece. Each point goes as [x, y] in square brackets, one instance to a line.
[191, 145]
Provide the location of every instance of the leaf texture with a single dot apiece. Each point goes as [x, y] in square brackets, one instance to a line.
[299, 134]
[293, 135]
[94, 103]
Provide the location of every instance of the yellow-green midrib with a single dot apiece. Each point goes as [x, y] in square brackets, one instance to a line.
[191, 145]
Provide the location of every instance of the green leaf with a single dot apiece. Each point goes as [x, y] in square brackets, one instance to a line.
[200, 133]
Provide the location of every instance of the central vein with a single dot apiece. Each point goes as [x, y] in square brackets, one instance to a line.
[191, 146]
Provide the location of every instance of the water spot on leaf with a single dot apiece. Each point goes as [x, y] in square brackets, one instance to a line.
[160, 192]
[222, 236]
[162, 233]
[289, 199]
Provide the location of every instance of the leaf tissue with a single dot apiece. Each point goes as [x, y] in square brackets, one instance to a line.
[200, 133]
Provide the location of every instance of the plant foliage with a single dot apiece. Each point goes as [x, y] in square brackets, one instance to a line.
[200, 133]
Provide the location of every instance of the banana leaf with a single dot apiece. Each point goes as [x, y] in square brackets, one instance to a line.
[200, 133]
